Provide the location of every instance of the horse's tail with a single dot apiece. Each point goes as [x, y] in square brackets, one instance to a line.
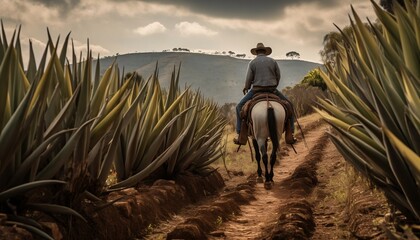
[272, 128]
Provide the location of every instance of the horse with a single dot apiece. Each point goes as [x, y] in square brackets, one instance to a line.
[268, 118]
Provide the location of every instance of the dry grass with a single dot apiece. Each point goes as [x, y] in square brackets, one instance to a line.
[241, 161]
[237, 162]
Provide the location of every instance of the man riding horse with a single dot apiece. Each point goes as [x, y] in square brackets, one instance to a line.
[263, 75]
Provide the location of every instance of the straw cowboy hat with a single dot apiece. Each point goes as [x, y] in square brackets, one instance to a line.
[261, 46]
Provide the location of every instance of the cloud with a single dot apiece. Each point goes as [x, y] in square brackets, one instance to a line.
[243, 9]
[29, 12]
[35, 42]
[193, 28]
[150, 29]
[64, 6]
[82, 47]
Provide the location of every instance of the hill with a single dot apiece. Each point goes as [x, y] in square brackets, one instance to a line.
[219, 77]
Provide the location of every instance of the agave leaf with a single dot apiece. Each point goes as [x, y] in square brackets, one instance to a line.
[167, 115]
[95, 156]
[34, 155]
[58, 161]
[403, 173]
[9, 135]
[62, 115]
[154, 147]
[373, 130]
[147, 124]
[124, 167]
[83, 106]
[357, 133]
[386, 116]
[135, 179]
[30, 228]
[24, 220]
[31, 70]
[370, 45]
[4, 35]
[335, 111]
[411, 93]
[203, 148]
[97, 75]
[18, 47]
[155, 144]
[65, 83]
[2, 48]
[4, 83]
[379, 159]
[101, 90]
[116, 99]
[389, 23]
[390, 53]
[413, 123]
[110, 155]
[54, 208]
[406, 152]
[187, 141]
[131, 151]
[408, 42]
[23, 188]
[132, 110]
[390, 189]
[41, 86]
[63, 54]
[102, 127]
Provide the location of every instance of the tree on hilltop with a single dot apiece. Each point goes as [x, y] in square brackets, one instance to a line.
[293, 54]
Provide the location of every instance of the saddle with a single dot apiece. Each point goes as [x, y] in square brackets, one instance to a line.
[246, 126]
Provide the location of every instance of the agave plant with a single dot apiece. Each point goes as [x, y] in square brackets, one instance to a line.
[64, 124]
[375, 104]
[57, 123]
[177, 129]
[23, 107]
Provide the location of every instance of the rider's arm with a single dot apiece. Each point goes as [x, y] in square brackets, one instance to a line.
[249, 77]
[277, 71]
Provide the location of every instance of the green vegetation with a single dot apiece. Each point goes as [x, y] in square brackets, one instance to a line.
[375, 107]
[63, 127]
[306, 94]
[314, 79]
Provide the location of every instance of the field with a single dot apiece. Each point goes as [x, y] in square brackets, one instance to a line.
[97, 152]
[316, 195]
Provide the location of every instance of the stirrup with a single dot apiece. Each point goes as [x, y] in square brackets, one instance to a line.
[236, 141]
[291, 140]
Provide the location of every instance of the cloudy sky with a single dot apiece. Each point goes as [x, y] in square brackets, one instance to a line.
[126, 26]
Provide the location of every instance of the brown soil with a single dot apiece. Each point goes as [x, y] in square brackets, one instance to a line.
[315, 196]
[299, 206]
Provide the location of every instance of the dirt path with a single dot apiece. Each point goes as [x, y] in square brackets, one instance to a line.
[261, 215]
[313, 198]
[255, 214]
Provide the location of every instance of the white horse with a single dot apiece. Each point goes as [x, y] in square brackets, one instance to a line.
[268, 119]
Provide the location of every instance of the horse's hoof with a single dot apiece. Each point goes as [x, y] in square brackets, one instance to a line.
[260, 180]
[268, 185]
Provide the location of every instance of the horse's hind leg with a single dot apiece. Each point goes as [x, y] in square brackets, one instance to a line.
[257, 157]
[272, 162]
[263, 149]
